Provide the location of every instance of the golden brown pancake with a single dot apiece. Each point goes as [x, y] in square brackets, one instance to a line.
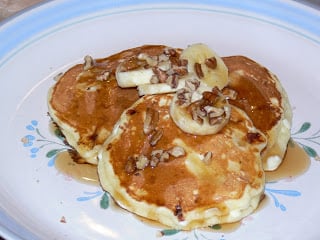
[182, 180]
[261, 95]
[85, 104]
[86, 101]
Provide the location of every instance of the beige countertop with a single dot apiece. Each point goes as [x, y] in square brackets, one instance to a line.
[10, 7]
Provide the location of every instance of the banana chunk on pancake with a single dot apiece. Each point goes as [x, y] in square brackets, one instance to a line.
[261, 95]
[154, 169]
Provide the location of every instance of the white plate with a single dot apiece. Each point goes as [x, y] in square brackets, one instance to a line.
[36, 45]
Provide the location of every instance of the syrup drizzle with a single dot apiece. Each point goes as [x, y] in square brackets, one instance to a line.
[295, 163]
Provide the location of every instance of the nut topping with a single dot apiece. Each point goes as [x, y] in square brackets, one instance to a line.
[156, 136]
[151, 60]
[104, 76]
[192, 84]
[161, 74]
[184, 97]
[150, 121]
[178, 212]
[211, 62]
[177, 151]
[88, 63]
[198, 70]
[254, 137]
[130, 165]
[229, 93]
[170, 52]
[142, 162]
[207, 158]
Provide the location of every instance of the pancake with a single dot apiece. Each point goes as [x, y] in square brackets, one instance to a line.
[182, 180]
[261, 95]
[86, 101]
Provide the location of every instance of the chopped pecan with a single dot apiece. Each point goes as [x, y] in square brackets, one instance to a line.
[177, 151]
[207, 158]
[183, 62]
[103, 76]
[229, 93]
[88, 63]
[142, 162]
[178, 212]
[151, 60]
[164, 156]
[172, 80]
[131, 165]
[163, 58]
[170, 52]
[198, 70]
[150, 121]
[161, 74]
[195, 115]
[180, 70]
[155, 157]
[211, 62]
[254, 137]
[156, 136]
[184, 96]
[192, 84]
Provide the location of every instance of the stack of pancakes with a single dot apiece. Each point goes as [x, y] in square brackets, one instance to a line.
[179, 179]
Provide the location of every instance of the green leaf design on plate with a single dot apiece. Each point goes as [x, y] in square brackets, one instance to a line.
[169, 232]
[52, 152]
[104, 202]
[215, 227]
[304, 127]
[310, 151]
[59, 134]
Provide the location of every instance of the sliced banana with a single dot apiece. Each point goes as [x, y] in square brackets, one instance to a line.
[160, 88]
[133, 78]
[200, 110]
[206, 64]
[142, 75]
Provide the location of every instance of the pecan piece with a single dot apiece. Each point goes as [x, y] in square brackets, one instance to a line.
[156, 136]
[151, 60]
[88, 63]
[192, 84]
[170, 52]
[177, 151]
[130, 165]
[142, 162]
[254, 137]
[198, 70]
[207, 158]
[211, 62]
[172, 80]
[150, 121]
[178, 212]
[229, 93]
[161, 74]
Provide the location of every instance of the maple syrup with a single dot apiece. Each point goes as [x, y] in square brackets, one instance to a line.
[295, 163]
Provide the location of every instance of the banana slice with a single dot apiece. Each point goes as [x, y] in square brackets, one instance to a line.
[206, 64]
[200, 110]
[133, 78]
[160, 88]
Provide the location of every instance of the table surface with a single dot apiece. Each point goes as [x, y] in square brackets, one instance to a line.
[11, 7]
